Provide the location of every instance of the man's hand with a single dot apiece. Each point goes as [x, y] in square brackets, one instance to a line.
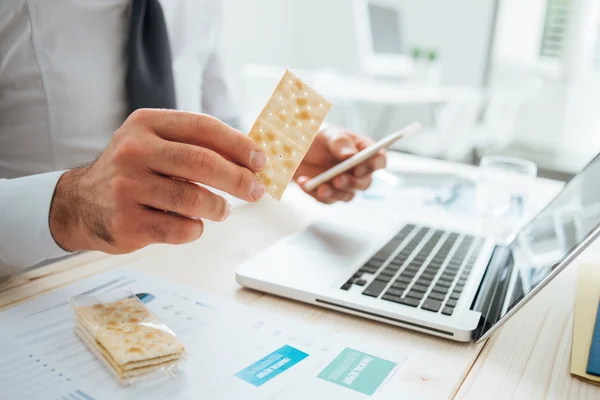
[140, 190]
[330, 147]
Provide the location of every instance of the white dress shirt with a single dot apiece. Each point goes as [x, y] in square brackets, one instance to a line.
[62, 95]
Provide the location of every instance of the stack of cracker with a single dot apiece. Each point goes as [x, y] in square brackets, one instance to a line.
[127, 337]
[285, 130]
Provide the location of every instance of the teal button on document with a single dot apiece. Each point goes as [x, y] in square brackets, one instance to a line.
[272, 365]
[358, 371]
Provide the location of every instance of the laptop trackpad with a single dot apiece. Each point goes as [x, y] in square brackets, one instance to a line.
[319, 256]
[324, 252]
[333, 240]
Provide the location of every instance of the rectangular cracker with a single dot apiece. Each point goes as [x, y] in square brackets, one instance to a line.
[296, 110]
[123, 374]
[293, 115]
[283, 155]
[82, 328]
[128, 331]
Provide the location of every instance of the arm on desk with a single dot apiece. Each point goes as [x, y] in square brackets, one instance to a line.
[25, 237]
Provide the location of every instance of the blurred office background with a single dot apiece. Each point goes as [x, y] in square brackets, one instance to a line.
[509, 77]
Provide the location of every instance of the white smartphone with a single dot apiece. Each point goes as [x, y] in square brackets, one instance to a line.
[361, 156]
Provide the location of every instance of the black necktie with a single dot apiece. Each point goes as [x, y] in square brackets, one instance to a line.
[149, 73]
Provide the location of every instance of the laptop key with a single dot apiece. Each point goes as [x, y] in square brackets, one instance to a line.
[443, 283]
[395, 292]
[451, 303]
[447, 310]
[454, 296]
[400, 285]
[431, 305]
[437, 296]
[360, 282]
[389, 297]
[375, 289]
[439, 289]
[447, 281]
[423, 283]
[415, 295]
[405, 279]
[368, 270]
[419, 288]
[428, 275]
[408, 301]
[346, 286]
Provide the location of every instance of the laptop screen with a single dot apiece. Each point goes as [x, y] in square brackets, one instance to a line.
[541, 246]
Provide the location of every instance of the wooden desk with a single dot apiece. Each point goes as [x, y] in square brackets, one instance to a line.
[528, 359]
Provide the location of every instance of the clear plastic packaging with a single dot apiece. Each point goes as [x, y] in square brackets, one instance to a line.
[126, 336]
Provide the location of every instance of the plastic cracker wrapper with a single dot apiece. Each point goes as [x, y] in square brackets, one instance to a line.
[126, 336]
[285, 130]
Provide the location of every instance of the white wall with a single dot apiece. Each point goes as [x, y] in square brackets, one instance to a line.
[459, 29]
[256, 31]
[320, 33]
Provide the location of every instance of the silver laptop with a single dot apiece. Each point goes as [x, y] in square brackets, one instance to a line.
[428, 278]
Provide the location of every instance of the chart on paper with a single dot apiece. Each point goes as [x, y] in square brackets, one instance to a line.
[232, 350]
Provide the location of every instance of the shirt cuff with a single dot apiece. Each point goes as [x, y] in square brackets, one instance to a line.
[25, 237]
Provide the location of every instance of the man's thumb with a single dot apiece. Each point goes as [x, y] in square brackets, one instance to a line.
[341, 146]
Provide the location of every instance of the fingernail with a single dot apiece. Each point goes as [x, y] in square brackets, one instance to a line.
[258, 159]
[258, 190]
[327, 192]
[361, 171]
[347, 150]
[227, 212]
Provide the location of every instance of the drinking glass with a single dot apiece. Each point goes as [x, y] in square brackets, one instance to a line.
[502, 189]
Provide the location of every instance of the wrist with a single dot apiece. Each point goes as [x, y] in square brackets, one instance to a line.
[65, 220]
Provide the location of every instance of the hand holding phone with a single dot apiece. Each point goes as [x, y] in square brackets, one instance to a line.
[361, 156]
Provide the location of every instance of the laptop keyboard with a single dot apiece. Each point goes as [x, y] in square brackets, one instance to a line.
[420, 267]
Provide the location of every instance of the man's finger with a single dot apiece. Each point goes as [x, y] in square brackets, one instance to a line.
[344, 196]
[341, 144]
[201, 165]
[184, 198]
[161, 227]
[362, 183]
[205, 131]
[347, 182]
[371, 165]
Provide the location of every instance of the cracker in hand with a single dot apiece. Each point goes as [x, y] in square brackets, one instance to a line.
[285, 130]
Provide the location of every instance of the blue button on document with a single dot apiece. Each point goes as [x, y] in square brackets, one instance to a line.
[593, 366]
[272, 365]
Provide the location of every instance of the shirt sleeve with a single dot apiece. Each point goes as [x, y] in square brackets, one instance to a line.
[25, 237]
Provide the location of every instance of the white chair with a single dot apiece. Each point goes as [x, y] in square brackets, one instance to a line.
[451, 137]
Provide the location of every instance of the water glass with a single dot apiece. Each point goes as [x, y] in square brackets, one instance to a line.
[502, 190]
